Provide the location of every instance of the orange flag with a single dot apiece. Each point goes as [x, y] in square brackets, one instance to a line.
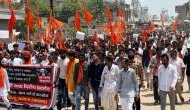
[29, 17]
[123, 25]
[108, 13]
[77, 20]
[120, 12]
[54, 23]
[162, 20]
[59, 37]
[95, 37]
[12, 21]
[38, 19]
[87, 14]
[144, 34]
[175, 25]
[114, 38]
[151, 27]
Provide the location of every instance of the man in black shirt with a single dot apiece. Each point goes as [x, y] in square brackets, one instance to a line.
[95, 73]
[187, 62]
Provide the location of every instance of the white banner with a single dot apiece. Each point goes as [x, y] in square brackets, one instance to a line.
[4, 34]
[80, 35]
[92, 31]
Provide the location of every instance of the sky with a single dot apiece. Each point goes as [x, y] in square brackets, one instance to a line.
[155, 6]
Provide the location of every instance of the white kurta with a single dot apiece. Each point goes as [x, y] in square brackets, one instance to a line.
[4, 91]
[108, 83]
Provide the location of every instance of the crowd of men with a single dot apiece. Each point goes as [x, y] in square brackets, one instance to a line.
[110, 72]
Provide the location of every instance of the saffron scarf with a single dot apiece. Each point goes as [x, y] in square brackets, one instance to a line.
[1, 77]
[69, 67]
[154, 70]
[80, 74]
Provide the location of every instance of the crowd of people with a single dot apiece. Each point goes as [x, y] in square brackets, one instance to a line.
[110, 72]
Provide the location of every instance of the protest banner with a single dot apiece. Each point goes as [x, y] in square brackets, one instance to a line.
[4, 34]
[80, 35]
[92, 31]
[31, 85]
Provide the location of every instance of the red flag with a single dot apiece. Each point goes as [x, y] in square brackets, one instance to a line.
[12, 21]
[162, 20]
[120, 12]
[87, 14]
[175, 25]
[59, 37]
[108, 13]
[77, 20]
[38, 19]
[151, 27]
[144, 34]
[95, 37]
[29, 17]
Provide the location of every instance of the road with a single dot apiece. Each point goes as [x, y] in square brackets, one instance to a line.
[146, 101]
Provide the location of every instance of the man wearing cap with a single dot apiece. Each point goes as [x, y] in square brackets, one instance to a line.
[187, 63]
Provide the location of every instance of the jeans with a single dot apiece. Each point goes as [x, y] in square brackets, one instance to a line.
[63, 98]
[155, 86]
[95, 92]
[79, 90]
[171, 95]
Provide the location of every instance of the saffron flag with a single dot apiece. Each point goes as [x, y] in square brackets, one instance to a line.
[151, 27]
[38, 19]
[59, 37]
[87, 14]
[77, 20]
[120, 12]
[175, 25]
[108, 13]
[55, 23]
[95, 37]
[144, 34]
[29, 17]
[12, 21]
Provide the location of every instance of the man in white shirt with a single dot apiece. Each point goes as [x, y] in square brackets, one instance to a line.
[180, 66]
[63, 99]
[167, 79]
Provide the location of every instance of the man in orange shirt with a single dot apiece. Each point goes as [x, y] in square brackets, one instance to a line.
[4, 86]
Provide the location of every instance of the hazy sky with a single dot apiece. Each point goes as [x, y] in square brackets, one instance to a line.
[155, 6]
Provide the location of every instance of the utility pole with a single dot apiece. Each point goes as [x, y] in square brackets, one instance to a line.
[51, 6]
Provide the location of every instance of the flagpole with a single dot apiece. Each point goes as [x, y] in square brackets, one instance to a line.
[28, 34]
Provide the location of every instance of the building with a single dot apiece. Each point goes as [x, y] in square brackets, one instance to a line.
[183, 11]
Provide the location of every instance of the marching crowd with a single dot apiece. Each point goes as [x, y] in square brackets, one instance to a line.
[110, 72]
